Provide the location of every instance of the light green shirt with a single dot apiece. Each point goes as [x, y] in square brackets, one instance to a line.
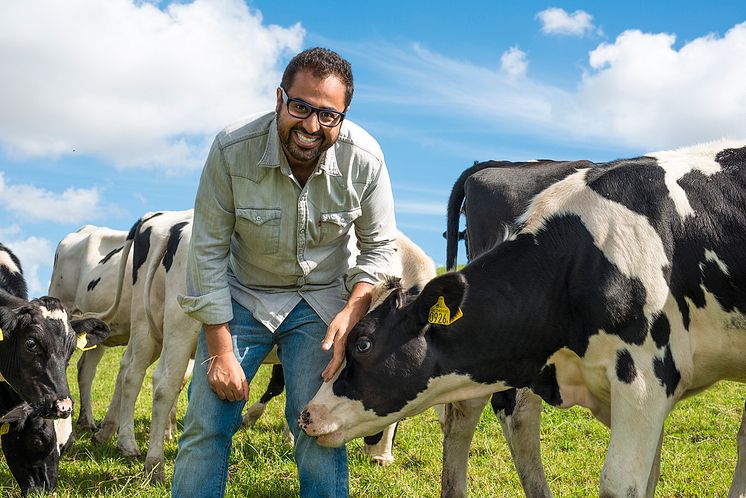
[261, 239]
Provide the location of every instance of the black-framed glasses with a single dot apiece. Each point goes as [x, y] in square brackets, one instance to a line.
[301, 110]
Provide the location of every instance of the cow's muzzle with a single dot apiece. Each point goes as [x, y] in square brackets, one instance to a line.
[325, 434]
[60, 408]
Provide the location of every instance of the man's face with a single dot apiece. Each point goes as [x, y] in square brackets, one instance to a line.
[304, 140]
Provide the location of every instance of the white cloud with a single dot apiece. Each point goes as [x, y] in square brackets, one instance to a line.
[415, 207]
[130, 83]
[556, 21]
[35, 254]
[34, 204]
[639, 91]
[514, 62]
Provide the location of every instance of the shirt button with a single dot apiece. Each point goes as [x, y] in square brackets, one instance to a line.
[301, 281]
[258, 218]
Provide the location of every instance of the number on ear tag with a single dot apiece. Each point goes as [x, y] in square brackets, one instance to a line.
[441, 315]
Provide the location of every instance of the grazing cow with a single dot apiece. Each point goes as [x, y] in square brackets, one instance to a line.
[622, 291]
[32, 445]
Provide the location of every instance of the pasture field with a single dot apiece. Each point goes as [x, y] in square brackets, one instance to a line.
[699, 452]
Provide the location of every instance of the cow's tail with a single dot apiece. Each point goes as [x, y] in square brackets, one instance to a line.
[152, 267]
[108, 315]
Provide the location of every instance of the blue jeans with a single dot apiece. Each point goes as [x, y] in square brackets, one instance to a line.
[201, 467]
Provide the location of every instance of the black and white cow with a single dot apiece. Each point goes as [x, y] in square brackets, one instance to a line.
[32, 445]
[622, 291]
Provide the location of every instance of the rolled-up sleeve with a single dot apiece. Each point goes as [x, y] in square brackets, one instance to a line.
[208, 297]
[376, 233]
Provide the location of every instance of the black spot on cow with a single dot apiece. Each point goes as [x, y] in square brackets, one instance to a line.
[546, 386]
[140, 255]
[661, 330]
[666, 371]
[93, 283]
[718, 283]
[13, 281]
[133, 230]
[145, 220]
[108, 256]
[174, 237]
[731, 158]
[504, 401]
[625, 366]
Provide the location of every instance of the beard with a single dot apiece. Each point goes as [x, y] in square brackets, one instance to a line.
[304, 154]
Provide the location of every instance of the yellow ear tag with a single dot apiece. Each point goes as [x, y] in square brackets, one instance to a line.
[82, 341]
[1, 334]
[5, 428]
[441, 315]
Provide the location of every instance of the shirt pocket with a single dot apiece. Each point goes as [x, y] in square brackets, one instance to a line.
[259, 228]
[336, 224]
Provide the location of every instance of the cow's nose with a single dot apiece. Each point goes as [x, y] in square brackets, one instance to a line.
[305, 418]
[63, 408]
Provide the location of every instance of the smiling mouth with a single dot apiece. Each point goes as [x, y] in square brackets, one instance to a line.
[306, 141]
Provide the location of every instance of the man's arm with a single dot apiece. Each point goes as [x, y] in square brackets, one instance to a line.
[336, 335]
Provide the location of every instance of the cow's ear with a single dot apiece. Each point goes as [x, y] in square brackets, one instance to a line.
[451, 287]
[15, 418]
[14, 319]
[94, 330]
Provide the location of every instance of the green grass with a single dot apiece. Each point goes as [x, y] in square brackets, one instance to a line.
[699, 452]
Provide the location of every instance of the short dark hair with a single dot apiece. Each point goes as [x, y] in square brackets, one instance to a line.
[321, 62]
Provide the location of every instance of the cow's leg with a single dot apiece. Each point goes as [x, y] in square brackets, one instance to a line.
[145, 351]
[655, 471]
[738, 486]
[171, 368]
[87, 364]
[461, 419]
[274, 388]
[381, 446]
[636, 426]
[519, 413]
[171, 428]
[111, 421]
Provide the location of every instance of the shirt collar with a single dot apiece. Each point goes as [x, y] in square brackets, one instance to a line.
[272, 157]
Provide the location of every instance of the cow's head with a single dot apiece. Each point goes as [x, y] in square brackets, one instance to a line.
[38, 340]
[33, 446]
[391, 360]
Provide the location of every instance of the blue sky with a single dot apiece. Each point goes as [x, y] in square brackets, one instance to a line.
[107, 108]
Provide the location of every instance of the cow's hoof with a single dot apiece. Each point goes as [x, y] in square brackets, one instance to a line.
[99, 437]
[129, 451]
[383, 461]
[252, 414]
[154, 469]
[87, 426]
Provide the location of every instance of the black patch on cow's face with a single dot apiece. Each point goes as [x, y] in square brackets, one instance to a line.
[504, 401]
[109, 256]
[661, 330]
[174, 237]
[140, 255]
[666, 371]
[625, 366]
[93, 283]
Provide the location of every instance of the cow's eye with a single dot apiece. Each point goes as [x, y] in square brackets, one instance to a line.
[363, 346]
[31, 345]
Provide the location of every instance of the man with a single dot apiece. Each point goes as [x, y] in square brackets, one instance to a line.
[268, 265]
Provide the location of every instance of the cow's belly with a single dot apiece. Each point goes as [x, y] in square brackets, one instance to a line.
[718, 344]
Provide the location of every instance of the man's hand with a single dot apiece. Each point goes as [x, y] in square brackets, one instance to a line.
[336, 335]
[224, 373]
